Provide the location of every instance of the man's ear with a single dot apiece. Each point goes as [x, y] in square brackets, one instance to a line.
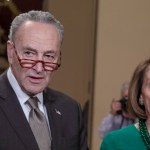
[10, 49]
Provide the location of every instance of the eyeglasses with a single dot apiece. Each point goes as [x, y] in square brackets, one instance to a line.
[29, 63]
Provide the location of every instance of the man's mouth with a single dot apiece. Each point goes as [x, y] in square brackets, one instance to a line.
[35, 80]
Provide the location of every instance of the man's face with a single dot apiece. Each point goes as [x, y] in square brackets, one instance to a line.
[38, 41]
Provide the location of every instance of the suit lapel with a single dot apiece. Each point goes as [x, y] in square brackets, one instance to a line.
[15, 115]
[55, 120]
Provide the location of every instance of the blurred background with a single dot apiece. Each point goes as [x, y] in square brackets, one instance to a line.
[104, 41]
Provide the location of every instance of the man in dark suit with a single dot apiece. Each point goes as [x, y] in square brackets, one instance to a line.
[33, 50]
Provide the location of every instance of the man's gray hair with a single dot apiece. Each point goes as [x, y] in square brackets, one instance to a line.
[37, 16]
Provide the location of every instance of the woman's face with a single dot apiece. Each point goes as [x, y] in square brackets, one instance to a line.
[145, 93]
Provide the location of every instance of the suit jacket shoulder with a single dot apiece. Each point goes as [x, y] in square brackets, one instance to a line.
[15, 132]
[65, 116]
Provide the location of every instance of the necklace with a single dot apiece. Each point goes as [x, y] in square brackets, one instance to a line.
[144, 133]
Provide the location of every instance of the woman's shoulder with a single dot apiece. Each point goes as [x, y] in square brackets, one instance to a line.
[122, 139]
[126, 131]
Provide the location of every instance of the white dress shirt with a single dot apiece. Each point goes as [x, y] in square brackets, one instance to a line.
[23, 97]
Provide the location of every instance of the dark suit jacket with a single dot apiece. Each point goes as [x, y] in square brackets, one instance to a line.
[64, 116]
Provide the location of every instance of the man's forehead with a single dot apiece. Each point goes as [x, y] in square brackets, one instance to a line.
[37, 31]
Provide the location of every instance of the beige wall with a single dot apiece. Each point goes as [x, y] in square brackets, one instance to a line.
[75, 75]
[123, 40]
[123, 31]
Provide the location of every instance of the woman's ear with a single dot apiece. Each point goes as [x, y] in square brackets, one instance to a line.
[10, 49]
[141, 100]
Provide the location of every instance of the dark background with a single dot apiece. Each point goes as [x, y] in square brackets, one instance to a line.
[8, 10]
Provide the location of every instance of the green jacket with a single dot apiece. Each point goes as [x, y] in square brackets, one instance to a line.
[127, 138]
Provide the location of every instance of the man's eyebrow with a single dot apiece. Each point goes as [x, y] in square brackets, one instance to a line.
[50, 51]
[29, 48]
[35, 50]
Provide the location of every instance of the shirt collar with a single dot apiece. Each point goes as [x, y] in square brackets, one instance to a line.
[22, 96]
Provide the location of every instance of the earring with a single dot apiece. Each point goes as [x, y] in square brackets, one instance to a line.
[141, 101]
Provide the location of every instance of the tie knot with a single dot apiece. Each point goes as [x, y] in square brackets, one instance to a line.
[33, 102]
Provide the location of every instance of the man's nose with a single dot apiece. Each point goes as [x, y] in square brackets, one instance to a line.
[39, 66]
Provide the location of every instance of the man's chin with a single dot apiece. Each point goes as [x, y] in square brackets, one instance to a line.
[33, 91]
